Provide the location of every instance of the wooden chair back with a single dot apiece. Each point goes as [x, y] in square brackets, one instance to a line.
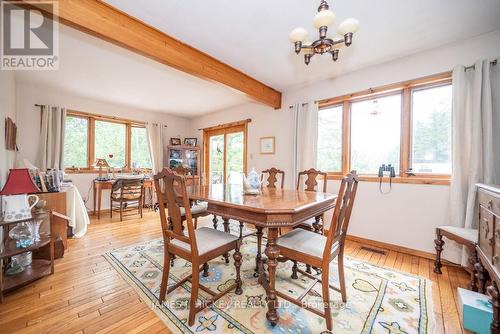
[272, 177]
[182, 170]
[127, 189]
[188, 173]
[342, 213]
[175, 197]
[311, 182]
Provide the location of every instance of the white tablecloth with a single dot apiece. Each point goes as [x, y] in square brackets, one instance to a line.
[76, 211]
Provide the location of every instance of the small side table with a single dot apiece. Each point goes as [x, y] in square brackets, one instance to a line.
[38, 267]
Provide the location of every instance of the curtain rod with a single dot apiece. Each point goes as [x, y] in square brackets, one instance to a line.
[145, 123]
[493, 62]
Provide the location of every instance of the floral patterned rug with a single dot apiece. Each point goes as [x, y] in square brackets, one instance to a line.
[380, 300]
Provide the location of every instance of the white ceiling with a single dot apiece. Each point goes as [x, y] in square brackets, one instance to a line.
[252, 36]
[94, 69]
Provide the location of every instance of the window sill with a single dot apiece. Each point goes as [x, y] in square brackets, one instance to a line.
[398, 179]
[96, 171]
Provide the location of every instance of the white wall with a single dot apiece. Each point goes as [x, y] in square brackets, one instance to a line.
[7, 109]
[29, 125]
[409, 214]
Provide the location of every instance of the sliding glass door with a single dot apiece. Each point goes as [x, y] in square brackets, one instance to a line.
[225, 154]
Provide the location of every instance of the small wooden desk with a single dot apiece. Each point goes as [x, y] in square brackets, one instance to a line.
[272, 209]
[99, 186]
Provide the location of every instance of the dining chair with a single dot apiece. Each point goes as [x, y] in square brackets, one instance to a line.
[126, 192]
[198, 247]
[273, 175]
[318, 250]
[312, 176]
[198, 209]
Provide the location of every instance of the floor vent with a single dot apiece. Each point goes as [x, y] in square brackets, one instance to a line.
[373, 250]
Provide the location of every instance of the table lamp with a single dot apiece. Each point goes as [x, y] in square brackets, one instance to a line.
[99, 162]
[15, 199]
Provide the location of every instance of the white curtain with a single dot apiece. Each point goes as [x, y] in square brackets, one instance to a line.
[475, 138]
[52, 138]
[306, 136]
[155, 141]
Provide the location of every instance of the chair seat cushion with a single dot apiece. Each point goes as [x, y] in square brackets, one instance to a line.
[207, 240]
[469, 234]
[306, 242]
[196, 209]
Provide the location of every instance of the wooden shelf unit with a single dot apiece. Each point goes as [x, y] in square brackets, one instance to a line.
[38, 267]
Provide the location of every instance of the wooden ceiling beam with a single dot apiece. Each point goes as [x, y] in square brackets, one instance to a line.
[108, 23]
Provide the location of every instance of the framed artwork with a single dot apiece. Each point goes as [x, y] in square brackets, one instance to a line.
[10, 134]
[175, 141]
[190, 141]
[267, 145]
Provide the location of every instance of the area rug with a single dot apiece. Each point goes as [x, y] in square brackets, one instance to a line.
[380, 300]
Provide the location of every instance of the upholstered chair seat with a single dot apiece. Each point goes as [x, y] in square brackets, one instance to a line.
[207, 239]
[469, 234]
[306, 242]
[196, 209]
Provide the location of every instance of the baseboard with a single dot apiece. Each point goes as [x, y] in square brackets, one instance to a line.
[396, 248]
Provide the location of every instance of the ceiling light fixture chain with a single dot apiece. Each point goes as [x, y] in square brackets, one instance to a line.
[324, 18]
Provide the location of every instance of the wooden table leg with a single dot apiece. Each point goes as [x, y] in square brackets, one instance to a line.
[99, 194]
[272, 252]
[226, 229]
[95, 194]
[258, 258]
[214, 222]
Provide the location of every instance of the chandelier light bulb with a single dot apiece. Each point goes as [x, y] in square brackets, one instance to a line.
[324, 18]
[347, 26]
[298, 35]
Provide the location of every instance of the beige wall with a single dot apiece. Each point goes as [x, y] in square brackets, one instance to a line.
[29, 125]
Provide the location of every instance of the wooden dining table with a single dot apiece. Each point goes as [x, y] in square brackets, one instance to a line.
[272, 209]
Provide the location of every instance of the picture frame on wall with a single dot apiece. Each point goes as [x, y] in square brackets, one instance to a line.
[10, 134]
[191, 141]
[175, 141]
[267, 145]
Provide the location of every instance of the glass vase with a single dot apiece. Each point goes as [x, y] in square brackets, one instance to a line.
[34, 226]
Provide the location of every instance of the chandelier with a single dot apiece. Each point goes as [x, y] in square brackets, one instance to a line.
[322, 20]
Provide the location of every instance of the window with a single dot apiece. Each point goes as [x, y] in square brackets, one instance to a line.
[76, 142]
[407, 125]
[140, 148]
[431, 126]
[225, 152]
[330, 144]
[375, 133]
[123, 143]
[110, 143]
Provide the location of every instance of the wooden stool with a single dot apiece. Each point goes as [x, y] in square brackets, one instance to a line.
[466, 237]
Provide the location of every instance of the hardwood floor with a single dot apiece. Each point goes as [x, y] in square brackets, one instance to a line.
[86, 295]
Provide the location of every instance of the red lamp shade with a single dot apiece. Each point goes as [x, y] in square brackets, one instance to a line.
[19, 182]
